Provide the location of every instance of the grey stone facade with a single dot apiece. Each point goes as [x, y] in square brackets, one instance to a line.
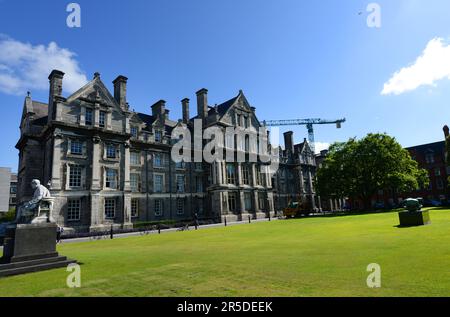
[295, 177]
[107, 165]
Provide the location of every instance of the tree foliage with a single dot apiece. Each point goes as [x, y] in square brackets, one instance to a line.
[358, 169]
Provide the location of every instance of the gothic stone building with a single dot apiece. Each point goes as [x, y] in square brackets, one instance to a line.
[294, 179]
[109, 166]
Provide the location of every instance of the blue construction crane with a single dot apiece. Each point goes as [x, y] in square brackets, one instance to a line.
[309, 125]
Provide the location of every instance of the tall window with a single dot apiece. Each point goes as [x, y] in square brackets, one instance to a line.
[111, 178]
[232, 201]
[158, 136]
[158, 207]
[110, 208]
[248, 201]
[134, 182]
[75, 176]
[261, 200]
[88, 116]
[135, 158]
[180, 206]
[134, 208]
[134, 132]
[73, 209]
[231, 173]
[199, 184]
[158, 183]
[180, 183]
[111, 151]
[102, 119]
[258, 176]
[157, 161]
[246, 174]
[76, 147]
[238, 119]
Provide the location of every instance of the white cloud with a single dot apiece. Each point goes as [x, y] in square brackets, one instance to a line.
[431, 66]
[26, 67]
[320, 146]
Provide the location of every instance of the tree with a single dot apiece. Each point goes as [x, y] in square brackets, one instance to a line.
[359, 169]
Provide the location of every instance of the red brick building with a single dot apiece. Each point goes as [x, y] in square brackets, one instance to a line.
[430, 157]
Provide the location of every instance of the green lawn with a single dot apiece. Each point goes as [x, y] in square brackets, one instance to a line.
[324, 256]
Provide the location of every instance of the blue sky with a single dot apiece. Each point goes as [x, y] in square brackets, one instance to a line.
[292, 58]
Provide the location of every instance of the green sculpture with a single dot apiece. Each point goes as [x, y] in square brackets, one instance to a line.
[412, 205]
[413, 215]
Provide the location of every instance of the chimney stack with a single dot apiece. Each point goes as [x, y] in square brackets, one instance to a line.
[446, 131]
[120, 91]
[185, 106]
[202, 103]
[159, 110]
[289, 141]
[55, 78]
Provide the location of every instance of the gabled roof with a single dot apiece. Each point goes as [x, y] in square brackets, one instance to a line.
[39, 109]
[95, 85]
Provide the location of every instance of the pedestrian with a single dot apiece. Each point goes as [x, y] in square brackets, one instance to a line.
[59, 231]
[196, 220]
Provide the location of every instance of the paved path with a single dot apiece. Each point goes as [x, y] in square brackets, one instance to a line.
[133, 234]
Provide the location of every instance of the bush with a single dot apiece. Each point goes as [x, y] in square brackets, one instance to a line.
[8, 216]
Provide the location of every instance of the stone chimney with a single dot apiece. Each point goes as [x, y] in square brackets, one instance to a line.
[446, 131]
[120, 91]
[289, 141]
[159, 110]
[55, 78]
[185, 106]
[202, 103]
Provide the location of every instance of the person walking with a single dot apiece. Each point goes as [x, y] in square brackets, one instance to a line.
[196, 220]
[59, 231]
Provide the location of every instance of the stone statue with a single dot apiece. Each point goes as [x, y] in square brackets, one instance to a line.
[32, 209]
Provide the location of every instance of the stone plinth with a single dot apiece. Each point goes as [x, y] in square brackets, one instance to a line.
[30, 248]
[415, 218]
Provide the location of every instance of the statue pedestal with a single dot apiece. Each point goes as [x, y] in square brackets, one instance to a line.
[412, 219]
[30, 248]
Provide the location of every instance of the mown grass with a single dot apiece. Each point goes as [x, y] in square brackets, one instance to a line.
[318, 256]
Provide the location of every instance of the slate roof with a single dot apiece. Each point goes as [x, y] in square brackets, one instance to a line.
[435, 147]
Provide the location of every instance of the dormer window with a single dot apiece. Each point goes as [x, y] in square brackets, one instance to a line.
[134, 131]
[102, 119]
[88, 116]
[158, 136]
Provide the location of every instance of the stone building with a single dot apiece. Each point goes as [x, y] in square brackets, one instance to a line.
[109, 166]
[295, 177]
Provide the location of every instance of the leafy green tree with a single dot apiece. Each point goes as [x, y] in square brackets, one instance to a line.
[358, 169]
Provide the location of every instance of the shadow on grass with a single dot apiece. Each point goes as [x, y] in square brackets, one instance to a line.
[354, 213]
[370, 212]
